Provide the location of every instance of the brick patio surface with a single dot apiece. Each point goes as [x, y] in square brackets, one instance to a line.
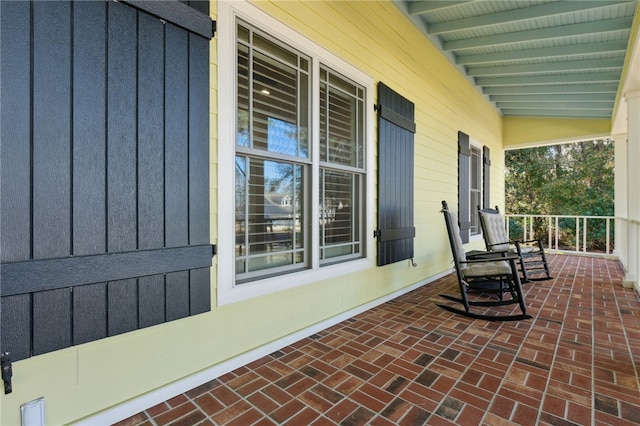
[409, 362]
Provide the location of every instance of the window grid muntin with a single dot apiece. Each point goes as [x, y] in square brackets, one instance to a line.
[251, 91]
[333, 86]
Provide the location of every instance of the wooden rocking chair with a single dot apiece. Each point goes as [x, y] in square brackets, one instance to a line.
[531, 257]
[493, 273]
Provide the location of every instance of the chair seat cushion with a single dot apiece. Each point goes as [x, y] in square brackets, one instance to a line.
[482, 269]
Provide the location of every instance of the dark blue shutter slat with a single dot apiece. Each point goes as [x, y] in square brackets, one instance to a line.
[89, 307]
[464, 209]
[396, 128]
[89, 130]
[486, 176]
[104, 132]
[89, 302]
[151, 289]
[51, 166]
[15, 181]
[199, 285]
[51, 320]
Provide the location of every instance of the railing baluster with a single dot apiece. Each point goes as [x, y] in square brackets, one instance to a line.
[584, 234]
[506, 219]
[608, 238]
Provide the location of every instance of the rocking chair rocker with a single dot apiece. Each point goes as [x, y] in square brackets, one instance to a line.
[531, 257]
[494, 273]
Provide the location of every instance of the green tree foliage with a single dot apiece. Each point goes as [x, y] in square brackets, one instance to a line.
[570, 179]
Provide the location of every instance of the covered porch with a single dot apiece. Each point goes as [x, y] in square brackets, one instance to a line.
[108, 151]
[410, 362]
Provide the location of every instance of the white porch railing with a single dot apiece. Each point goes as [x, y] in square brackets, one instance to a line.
[569, 233]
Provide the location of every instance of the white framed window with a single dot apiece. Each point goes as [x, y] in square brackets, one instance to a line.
[295, 138]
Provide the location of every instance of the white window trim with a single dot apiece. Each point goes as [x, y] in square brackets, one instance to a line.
[227, 292]
[473, 210]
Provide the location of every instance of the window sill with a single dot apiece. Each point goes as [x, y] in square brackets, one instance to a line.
[270, 285]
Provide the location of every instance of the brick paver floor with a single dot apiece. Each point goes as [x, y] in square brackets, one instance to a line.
[409, 362]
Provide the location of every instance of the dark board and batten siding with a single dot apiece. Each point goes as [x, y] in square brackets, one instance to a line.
[396, 129]
[486, 177]
[464, 202]
[465, 209]
[104, 185]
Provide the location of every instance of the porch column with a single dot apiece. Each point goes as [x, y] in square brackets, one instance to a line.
[620, 198]
[633, 189]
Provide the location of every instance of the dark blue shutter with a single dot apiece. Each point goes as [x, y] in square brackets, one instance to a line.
[486, 178]
[464, 170]
[396, 128]
[104, 131]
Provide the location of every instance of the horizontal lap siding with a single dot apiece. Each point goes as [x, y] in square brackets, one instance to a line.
[104, 152]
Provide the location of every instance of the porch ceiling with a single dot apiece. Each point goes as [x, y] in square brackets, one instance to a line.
[534, 57]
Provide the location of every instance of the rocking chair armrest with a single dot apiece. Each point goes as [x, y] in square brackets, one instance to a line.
[489, 259]
[518, 242]
[491, 255]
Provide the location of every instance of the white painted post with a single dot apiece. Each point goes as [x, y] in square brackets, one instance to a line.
[633, 188]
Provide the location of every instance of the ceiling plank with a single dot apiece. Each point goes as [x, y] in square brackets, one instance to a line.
[591, 77]
[561, 88]
[421, 7]
[557, 113]
[563, 31]
[556, 105]
[522, 14]
[612, 64]
[544, 52]
[558, 97]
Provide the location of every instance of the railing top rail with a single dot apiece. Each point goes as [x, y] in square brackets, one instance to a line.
[559, 216]
[631, 221]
